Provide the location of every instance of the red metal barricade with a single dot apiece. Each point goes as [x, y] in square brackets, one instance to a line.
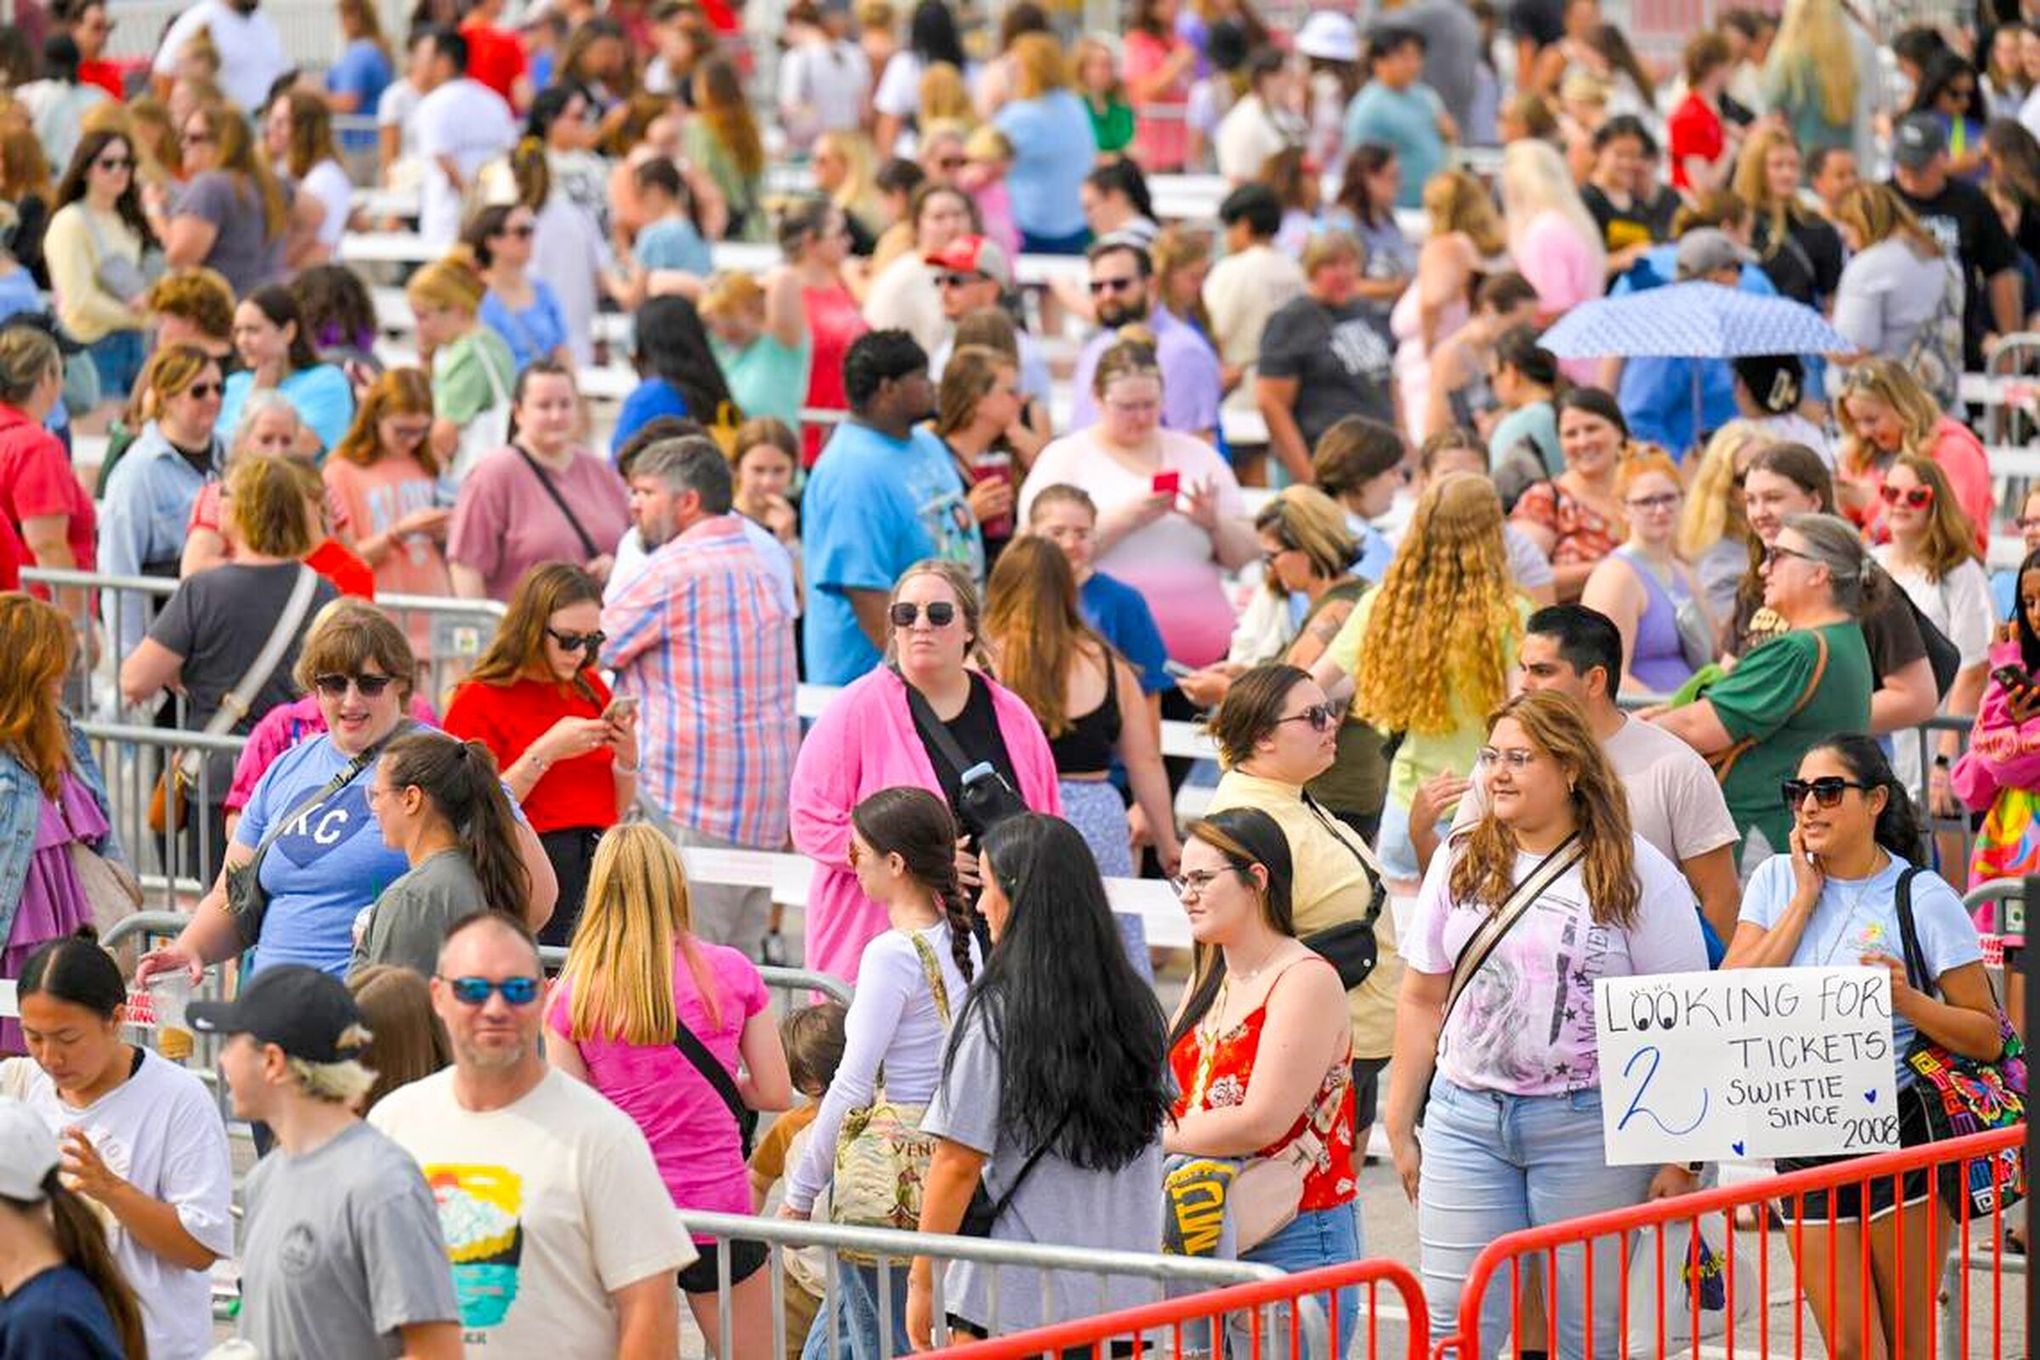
[1699, 1236]
[1174, 1328]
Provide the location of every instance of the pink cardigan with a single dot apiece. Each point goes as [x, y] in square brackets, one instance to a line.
[863, 742]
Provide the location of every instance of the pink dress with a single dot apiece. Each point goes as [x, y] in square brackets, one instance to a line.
[693, 1134]
[1160, 145]
[833, 322]
[52, 900]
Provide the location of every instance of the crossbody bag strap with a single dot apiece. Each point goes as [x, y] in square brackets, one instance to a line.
[325, 791]
[1000, 1204]
[924, 713]
[573, 521]
[932, 970]
[237, 702]
[1338, 831]
[1481, 946]
[718, 1076]
[1909, 934]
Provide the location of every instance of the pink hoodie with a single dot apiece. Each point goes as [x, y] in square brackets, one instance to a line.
[863, 742]
[2003, 753]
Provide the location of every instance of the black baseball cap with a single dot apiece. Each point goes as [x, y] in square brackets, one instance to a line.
[48, 325]
[301, 1010]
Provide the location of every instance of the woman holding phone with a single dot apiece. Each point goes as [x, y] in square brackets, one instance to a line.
[567, 749]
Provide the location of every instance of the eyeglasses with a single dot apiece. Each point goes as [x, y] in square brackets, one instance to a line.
[522, 231]
[369, 686]
[1778, 550]
[1826, 791]
[576, 642]
[1515, 758]
[905, 614]
[1268, 555]
[1100, 287]
[1664, 500]
[2027, 526]
[1912, 497]
[203, 390]
[115, 163]
[194, 138]
[958, 280]
[1194, 884]
[475, 991]
[1320, 717]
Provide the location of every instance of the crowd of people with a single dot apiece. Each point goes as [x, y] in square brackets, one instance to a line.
[1015, 466]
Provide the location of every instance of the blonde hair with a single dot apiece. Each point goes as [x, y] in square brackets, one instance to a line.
[1752, 184]
[453, 281]
[620, 964]
[1484, 869]
[1812, 55]
[1306, 519]
[1876, 213]
[1888, 381]
[1535, 181]
[1039, 66]
[1714, 508]
[858, 193]
[1456, 201]
[346, 1082]
[943, 95]
[987, 143]
[730, 292]
[266, 502]
[1445, 618]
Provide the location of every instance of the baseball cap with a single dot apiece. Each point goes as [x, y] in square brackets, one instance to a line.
[28, 1152]
[974, 255]
[1918, 138]
[301, 1010]
[1329, 37]
[47, 324]
[1706, 249]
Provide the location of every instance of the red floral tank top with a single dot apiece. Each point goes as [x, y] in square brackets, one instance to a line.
[1222, 1082]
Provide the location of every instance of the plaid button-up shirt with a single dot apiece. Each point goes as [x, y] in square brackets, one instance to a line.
[704, 644]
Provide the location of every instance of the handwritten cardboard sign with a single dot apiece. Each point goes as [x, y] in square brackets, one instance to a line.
[1753, 1063]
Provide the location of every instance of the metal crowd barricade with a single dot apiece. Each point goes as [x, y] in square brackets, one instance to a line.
[455, 631]
[1717, 1268]
[1283, 1311]
[1394, 1326]
[144, 928]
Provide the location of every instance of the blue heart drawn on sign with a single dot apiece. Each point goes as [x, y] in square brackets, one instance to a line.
[1870, 1096]
[319, 832]
[1738, 1148]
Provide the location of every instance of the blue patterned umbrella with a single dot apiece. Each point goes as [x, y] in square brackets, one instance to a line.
[1695, 320]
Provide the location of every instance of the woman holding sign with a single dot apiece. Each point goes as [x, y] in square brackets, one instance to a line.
[1548, 892]
[1832, 902]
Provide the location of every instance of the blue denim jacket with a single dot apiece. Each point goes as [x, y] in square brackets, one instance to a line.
[145, 518]
[21, 801]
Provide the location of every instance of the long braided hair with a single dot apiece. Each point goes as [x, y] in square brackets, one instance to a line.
[916, 825]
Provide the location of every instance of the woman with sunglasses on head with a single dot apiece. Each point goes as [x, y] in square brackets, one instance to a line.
[537, 701]
[324, 859]
[209, 639]
[896, 726]
[101, 250]
[1833, 901]
[1932, 555]
[1800, 687]
[1286, 752]
[541, 498]
[1647, 590]
[1512, 1136]
[438, 800]
[900, 846]
[1260, 1046]
[636, 975]
[1057, 1055]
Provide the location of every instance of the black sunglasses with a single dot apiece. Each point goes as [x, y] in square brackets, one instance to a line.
[575, 642]
[206, 389]
[1112, 285]
[370, 686]
[1319, 716]
[906, 613]
[1826, 790]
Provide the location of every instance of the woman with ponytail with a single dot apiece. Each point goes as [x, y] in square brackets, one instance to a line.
[637, 976]
[440, 801]
[523, 311]
[141, 1140]
[62, 1293]
[910, 984]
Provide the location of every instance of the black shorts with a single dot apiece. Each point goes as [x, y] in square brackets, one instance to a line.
[1886, 1192]
[746, 1259]
[1366, 1091]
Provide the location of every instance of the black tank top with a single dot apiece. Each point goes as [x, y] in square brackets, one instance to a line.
[1087, 747]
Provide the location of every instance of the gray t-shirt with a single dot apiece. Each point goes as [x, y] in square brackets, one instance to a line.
[1341, 358]
[342, 1247]
[243, 250]
[408, 922]
[1886, 294]
[1057, 1203]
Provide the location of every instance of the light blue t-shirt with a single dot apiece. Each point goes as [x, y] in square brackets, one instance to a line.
[673, 243]
[533, 333]
[1536, 422]
[1860, 916]
[322, 395]
[1405, 121]
[364, 72]
[874, 506]
[1053, 149]
[2004, 594]
[327, 865]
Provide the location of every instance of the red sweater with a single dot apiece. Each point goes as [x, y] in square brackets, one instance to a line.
[509, 718]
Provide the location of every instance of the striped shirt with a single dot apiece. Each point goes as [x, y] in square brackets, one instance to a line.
[702, 641]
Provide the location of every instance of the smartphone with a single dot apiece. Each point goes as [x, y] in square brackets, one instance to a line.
[1168, 483]
[1177, 668]
[2011, 677]
[621, 708]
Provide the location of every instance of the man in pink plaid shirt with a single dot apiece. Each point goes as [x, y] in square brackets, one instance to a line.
[703, 642]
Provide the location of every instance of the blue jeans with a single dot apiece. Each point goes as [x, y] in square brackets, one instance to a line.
[1495, 1164]
[1317, 1238]
[118, 357]
[856, 1317]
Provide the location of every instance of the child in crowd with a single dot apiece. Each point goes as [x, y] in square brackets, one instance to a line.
[990, 156]
[813, 1038]
[671, 238]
